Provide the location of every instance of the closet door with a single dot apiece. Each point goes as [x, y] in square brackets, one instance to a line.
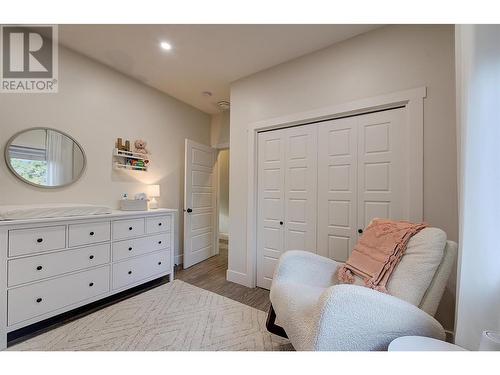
[362, 174]
[337, 190]
[287, 196]
[383, 172]
[271, 208]
[301, 173]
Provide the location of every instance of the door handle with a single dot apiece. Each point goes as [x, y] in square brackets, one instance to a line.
[189, 210]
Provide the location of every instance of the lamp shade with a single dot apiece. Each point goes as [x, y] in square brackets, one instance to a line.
[154, 190]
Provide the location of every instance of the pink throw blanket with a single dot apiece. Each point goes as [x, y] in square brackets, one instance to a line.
[378, 252]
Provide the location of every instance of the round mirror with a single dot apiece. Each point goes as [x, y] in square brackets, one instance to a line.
[45, 157]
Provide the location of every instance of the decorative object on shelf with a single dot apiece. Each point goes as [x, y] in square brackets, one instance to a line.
[130, 160]
[153, 193]
[122, 147]
[140, 147]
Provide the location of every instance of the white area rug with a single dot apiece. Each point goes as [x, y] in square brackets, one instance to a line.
[173, 316]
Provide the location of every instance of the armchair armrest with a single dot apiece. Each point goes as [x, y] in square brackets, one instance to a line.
[306, 268]
[353, 317]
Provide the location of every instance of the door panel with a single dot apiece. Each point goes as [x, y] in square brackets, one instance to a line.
[270, 210]
[301, 188]
[326, 181]
[337, 166]
[383, 175]
[200, 197]
[287, 175]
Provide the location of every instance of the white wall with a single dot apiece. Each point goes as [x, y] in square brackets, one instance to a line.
[385, 60]
[478, 81]
[219, 133]
[96, 105]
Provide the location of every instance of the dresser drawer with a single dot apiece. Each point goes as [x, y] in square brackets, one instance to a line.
[128, 228]
[37, 299]
[137, 269]
[39, 267]
[158, 224]
[88, 233]
[28, 241]
[138, 246]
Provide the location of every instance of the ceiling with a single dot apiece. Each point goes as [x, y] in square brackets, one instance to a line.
[203, 57]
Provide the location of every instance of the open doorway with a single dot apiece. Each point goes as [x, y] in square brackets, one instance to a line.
[223, 201]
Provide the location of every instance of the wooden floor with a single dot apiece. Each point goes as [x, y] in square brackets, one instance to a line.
[211, 275]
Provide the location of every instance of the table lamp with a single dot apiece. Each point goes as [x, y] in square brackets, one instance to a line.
[153, 193]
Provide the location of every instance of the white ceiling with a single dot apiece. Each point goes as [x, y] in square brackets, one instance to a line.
[203, 57]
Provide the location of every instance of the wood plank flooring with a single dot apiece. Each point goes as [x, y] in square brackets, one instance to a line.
[211, 275]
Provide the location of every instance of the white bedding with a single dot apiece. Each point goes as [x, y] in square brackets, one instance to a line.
[38, 211]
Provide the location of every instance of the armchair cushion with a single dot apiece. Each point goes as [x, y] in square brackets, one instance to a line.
[414, 273]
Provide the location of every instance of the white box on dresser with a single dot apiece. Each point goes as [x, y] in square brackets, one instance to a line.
[50, 266]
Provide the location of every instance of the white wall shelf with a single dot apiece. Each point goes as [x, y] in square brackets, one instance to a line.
[123, 160]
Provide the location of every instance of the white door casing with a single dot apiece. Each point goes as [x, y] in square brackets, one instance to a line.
[287, 176]
[412, 100]
[200, 206]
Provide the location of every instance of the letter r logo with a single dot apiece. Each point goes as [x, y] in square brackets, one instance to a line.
[27, 52]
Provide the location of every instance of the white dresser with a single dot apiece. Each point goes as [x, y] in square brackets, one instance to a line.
[50, 266]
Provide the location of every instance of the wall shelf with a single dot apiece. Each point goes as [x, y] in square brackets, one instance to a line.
[128, 159]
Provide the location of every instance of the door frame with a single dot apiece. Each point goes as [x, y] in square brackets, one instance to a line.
[412, 100]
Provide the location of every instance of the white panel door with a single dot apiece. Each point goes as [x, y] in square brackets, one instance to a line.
[301, 174]
[287, 191]
[383, 172]
[200, 239]
[362, 174]
[337, 187]
[270, 210]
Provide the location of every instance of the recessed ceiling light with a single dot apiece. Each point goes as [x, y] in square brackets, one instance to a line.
[166, 46]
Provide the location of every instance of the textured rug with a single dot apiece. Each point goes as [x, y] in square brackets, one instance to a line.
[173, 316]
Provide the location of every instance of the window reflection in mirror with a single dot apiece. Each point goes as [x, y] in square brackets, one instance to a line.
[45, 157]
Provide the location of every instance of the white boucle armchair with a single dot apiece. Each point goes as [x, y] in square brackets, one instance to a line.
[317, 313]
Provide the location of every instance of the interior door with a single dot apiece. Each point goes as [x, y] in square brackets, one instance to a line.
[383, 177]
[337, 190]
[270, 210]
[301, 174]
[200, 237]
[362, 174]
[287, 190]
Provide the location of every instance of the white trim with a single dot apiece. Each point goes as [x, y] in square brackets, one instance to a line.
[411, 99]
[223, 236]
[238, 278]
[178, 259]
[222, 146]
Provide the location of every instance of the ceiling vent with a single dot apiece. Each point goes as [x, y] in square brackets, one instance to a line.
[223, 105]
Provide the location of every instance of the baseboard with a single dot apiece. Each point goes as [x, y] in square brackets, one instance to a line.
[238, 278]
[178, 259]
[224, 236]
